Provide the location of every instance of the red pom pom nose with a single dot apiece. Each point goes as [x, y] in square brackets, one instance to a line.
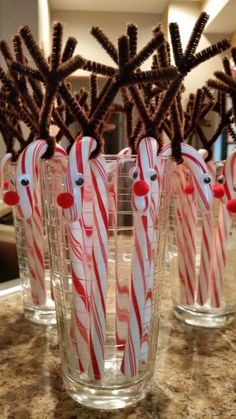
[11, 198]
[189, 189]
[65, 200]
[218, 191]
[231, 205]
[140, 188]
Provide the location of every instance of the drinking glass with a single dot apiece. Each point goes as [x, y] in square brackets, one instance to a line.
[108, 362]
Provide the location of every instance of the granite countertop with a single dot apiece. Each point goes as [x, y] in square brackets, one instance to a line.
[195, 374]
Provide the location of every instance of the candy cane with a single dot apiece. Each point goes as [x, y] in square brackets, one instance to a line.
[204, 196]
[229, 171]
[4, 159]
[199, 171]
[28, 200]
[206, 258]
[186, 224]
[100, 267]
[227, 207]
[144, 202]
[77, 204]
[122, 285]
[152, 220]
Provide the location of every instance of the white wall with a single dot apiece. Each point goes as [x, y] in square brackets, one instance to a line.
[78, 24]
[16, 13]
[44, 25]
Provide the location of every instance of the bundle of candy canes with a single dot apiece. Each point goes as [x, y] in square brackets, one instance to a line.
[42, 96]
[198, 189]
[193, 192]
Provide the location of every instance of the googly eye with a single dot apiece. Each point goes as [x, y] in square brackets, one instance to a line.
[206, 179]
[24, 180]
[79, 180]
[134, 173]
[152, 175]
[221, 179]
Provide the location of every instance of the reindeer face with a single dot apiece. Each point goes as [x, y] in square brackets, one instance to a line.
[78, 172]
[201, 180]
[26, 193]
[145, 176]
[26, 180]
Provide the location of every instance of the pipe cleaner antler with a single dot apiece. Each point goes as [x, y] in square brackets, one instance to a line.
[124, 75]
[185, 62]
[166, 93]
[226, 84]
[50, 74]
[225, 121]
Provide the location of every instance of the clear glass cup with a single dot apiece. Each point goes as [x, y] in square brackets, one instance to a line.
[201, 258]
[28, 261]
[116, 386]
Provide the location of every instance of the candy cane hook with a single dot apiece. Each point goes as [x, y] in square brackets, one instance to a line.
[198, 168]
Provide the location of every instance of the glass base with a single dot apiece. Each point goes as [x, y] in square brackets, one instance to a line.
[192, 317]
[40, 316]
[105, 398]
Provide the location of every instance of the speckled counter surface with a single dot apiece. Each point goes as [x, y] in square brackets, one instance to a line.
[195, 373]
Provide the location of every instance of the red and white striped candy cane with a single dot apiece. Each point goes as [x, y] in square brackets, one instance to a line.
[144, 202]
[198, 168]
[229, 172]
[206, 258]
[112, 168]
[4, 159]
[122, 286]
[28, 200]
[204, 196]
[99, 267]
[77, 204]
[186, 224]
[227, 207]
[152, 220]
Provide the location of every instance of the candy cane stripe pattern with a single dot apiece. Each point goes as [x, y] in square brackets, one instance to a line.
[78, 189]
[204, 197]
[201, 178]
[144, 174]
[206, 260]
[122, 287]
[186, 222]
[4, 159]
[152, 231]
[229, 171]
[223, 230]
[29, 208]
[99, 267]
[219, 262]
